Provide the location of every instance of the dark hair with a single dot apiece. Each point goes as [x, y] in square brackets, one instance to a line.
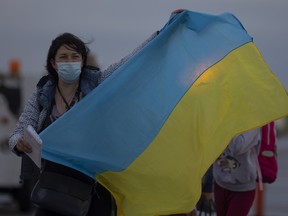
[71, 41]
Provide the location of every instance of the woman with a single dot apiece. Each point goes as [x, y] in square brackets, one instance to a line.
[69, 79]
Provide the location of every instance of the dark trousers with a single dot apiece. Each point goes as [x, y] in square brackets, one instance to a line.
[102, 204]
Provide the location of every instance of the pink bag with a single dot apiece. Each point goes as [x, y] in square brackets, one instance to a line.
[267, 156]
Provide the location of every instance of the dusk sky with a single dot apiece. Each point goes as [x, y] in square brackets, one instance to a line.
[115, 27]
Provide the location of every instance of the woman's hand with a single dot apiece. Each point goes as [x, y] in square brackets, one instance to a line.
[178, 11]
[207, 196]
[23, 146]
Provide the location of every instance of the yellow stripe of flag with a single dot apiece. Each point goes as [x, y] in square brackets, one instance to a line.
[237, 94]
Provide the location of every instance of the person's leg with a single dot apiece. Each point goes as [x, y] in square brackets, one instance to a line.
[45, 212]
[192, 213]
[240, 203]
[221, 202]
[188, 214]
[101, 204]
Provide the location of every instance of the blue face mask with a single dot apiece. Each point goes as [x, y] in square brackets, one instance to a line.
[69, 72]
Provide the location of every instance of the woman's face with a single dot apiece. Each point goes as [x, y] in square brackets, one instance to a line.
[66, 54]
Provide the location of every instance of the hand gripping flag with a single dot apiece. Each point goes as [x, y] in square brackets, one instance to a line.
[151, 130]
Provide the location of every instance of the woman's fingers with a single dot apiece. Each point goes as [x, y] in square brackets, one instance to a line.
[178, 11]
[23, 146]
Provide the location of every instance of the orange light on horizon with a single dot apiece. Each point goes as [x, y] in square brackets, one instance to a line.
[14, 66]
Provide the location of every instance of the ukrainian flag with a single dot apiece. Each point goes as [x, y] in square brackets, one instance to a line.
[151, 130]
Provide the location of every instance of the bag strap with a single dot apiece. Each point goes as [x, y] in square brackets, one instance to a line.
[259, 173]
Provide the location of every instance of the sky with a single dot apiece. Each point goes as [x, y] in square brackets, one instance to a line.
[113, 28]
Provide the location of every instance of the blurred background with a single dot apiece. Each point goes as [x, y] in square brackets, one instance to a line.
[112, 29]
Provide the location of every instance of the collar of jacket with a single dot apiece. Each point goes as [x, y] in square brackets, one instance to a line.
[46, 87]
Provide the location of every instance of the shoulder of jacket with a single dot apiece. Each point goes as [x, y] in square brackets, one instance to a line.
[91, 73]
[42, 81]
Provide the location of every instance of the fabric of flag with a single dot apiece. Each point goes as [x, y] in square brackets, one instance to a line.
[151, 130]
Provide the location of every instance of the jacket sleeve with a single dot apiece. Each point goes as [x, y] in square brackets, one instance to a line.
[244, 142]
[107, 72]
[207, 181]
[30, 115]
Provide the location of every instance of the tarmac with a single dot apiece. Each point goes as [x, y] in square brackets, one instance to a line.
[275, 195]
